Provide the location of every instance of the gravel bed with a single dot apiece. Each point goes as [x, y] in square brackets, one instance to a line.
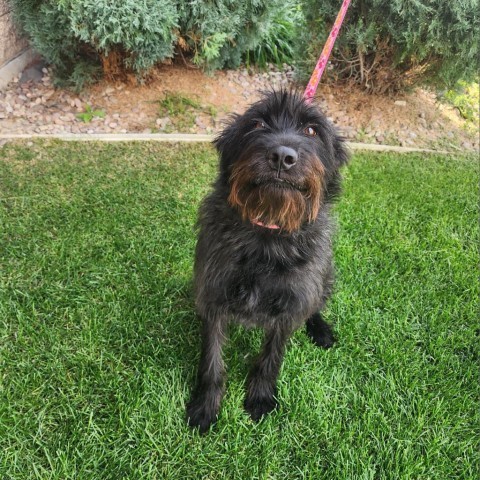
[31, 104]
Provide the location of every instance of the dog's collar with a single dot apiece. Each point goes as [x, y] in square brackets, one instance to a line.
[264, 225]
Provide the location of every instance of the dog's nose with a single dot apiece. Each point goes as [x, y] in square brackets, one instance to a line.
[282, 158]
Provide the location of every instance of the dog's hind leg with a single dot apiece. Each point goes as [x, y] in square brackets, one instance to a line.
[319, 331]
[262, 383]
[202, 410]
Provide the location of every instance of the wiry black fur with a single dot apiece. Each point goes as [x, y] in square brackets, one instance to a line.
[257, 276]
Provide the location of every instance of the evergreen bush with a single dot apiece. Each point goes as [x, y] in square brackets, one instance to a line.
[82, 37]
[386, 45]
[221, 32]
[277, 43]
[47, 25]
[130, 33]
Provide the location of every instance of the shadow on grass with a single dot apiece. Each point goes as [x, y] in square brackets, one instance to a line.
[165, 332]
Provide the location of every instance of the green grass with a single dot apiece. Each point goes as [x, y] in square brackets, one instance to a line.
[99, 341]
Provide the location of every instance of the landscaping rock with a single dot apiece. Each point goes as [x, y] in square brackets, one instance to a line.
[31, 74]
[163, 122]
[32, 105]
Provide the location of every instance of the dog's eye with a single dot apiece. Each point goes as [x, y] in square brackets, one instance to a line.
[310, 131]
[259, 124]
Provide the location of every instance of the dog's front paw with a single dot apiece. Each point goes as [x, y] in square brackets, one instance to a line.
[322, 339]
[200, 414]
[257, 407]
[320, 332]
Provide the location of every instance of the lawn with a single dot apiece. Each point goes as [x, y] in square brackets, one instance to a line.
[99, 340]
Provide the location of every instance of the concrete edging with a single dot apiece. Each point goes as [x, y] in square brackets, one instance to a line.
[188, 138]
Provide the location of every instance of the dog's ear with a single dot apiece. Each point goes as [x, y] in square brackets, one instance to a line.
[335, 155]
[229, 143]
[226, 135]
[334, 180]
[340, 151]
[333, 152]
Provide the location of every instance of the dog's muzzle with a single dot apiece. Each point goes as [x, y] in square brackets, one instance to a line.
[278, 182]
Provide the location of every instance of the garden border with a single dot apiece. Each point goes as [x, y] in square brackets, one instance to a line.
[190, 138]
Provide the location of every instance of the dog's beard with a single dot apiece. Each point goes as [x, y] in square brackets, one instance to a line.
[286, 205]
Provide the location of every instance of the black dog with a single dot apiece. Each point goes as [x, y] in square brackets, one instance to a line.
[264, 253]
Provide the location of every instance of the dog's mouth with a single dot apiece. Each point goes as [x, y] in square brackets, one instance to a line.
[280, 183]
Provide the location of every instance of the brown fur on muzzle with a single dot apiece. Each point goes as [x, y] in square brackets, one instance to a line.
[282, 205]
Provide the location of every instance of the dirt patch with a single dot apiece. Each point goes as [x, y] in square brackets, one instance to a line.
[413, 119]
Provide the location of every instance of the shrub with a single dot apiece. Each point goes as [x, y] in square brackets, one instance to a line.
[48, 26]
[388, 45]
[132, 34]
[220, 33]
[79, 36]
[276, 45]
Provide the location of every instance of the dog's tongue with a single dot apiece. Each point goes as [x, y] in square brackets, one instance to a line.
[264, 225]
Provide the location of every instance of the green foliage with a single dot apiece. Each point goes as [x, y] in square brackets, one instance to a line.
[277, 43]
[175, 103]
[77, 36]
[143, 31]
[47, 24]
[182, 110]
[220, 33]
[89, 114]
[134, 35]
[388, 45]
[465, 97]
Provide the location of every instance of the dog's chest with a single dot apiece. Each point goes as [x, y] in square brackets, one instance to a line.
[258, 279]
[254, 291]
[264, 287]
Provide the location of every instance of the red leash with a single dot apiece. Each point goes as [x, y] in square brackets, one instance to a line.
[322, 61]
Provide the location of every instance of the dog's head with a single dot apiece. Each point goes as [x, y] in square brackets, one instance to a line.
[280, 160]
